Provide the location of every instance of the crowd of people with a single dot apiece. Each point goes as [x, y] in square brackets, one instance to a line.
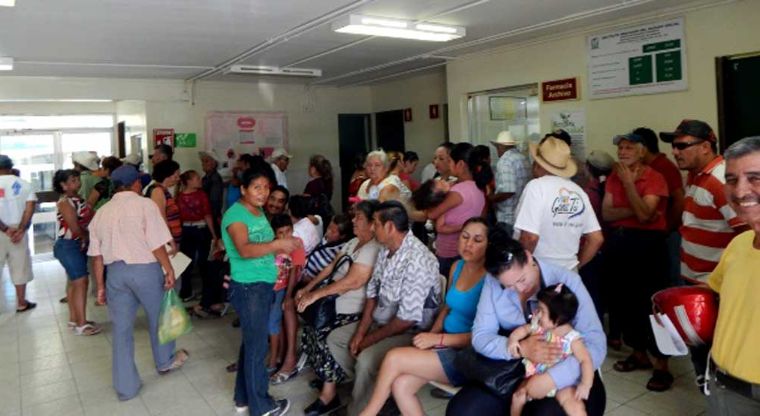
[491, 280]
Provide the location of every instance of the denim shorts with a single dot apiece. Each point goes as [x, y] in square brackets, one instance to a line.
[72, 258]
[275, 313]
[447, 356]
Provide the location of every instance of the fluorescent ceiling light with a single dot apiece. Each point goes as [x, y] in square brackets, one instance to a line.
[6, 63]
[396, 28]
[8, 3]
[273, 70]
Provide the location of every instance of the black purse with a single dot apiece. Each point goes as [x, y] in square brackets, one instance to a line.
[321, 313]
[501, 377]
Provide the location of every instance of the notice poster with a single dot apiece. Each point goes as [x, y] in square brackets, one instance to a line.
[163, 136]
[573, 122]
[646, 59]
[231, 133]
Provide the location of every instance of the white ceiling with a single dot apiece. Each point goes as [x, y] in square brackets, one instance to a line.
[199, 39]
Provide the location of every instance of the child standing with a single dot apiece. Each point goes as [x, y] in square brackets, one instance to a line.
[289, 267]
[74, 215]
[557, 306]
[199, 236]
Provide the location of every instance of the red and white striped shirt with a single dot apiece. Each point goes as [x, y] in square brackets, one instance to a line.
[709, 222]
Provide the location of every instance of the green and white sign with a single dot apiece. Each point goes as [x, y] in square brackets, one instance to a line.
[647, 59]
[185, 139]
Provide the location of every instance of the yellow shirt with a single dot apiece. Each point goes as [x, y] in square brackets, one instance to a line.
[737, 334]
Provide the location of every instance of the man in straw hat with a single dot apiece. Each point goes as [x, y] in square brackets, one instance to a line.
[512, 173]
[554, 212]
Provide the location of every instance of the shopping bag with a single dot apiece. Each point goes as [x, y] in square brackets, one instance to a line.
[173, 320]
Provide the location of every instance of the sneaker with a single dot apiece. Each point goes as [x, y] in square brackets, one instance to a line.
[241, 408]
[318, 408]
[281, 408]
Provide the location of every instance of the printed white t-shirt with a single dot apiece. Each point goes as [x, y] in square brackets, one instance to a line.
[14, 194]
[559, 212]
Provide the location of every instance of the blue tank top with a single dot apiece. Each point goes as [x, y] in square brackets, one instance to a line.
[462, 305]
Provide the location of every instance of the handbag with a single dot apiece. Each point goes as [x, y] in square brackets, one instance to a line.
[501, 377]
[321, 313]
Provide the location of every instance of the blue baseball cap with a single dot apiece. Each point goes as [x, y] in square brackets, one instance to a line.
[631, 137]
[124, 175]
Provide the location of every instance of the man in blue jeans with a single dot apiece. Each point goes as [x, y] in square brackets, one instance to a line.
[128, 236]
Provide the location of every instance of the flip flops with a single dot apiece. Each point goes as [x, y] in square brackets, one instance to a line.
[28, 307]
[87, 330]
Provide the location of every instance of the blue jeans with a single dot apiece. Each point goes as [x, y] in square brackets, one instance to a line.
[129, 286]
[252, 301]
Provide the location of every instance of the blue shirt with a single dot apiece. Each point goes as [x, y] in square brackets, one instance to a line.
[501, 308]
[462, 305]
[233, 194]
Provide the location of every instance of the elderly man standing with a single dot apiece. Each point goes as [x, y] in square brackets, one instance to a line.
[402, 298]
[735, 365]
[128, 235]
[512, 173]
[554, 213]
[280, 160]
[17, 201]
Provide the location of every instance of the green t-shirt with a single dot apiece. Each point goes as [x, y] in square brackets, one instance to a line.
[88, 183]
[252, 270]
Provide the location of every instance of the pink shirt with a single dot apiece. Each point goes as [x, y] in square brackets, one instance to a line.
[128, 228]
[472, 205]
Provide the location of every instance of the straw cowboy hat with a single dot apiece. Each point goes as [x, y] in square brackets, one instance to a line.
[554, 155]
[90, 160]
[504, 139]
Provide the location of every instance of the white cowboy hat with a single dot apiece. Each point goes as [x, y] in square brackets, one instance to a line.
[554, 155]
[504, 139]
[600, 160]
[211, 155]
[132, 159]
[90, 160]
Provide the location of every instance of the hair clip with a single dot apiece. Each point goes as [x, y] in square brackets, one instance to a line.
[558, 289]
[509, 258]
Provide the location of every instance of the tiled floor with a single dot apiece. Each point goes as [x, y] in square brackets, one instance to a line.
[46, 370]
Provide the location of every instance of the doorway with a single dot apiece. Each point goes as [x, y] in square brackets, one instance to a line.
[738, 89]
[354, 136]
[390, 130]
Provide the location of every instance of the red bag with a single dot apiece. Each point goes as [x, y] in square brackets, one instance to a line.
[692, 309]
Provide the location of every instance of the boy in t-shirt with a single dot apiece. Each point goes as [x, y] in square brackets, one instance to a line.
[289, 266]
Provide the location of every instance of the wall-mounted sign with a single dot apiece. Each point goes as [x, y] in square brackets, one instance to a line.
[646, 59]
[407, 114]
[185, 139]
[231, 133]
[559, 90]
[433, 111]
[163, 136]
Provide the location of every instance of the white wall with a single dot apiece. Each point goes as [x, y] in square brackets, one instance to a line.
[418, 92]
[727, 29]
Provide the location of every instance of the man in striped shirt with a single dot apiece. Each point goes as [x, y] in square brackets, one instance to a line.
[708, 222]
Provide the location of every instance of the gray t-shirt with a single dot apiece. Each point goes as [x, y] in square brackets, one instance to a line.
[352, 301]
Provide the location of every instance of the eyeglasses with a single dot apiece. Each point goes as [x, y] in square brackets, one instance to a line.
[685, 145]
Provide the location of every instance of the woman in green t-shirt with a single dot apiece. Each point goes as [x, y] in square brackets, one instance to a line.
[250, 244]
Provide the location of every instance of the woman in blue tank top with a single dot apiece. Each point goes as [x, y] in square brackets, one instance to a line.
[405, 370]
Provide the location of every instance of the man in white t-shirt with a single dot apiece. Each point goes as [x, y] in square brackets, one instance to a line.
[554, 213]
[17, 201]
[280, 160]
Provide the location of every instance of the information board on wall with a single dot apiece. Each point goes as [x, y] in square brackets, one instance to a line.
[230, 133]
[573, 122]
[646, 59]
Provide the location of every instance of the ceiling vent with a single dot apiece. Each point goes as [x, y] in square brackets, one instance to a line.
[273, 70]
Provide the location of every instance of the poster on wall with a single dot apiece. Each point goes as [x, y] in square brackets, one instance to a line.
[646, 59]
[163, 136]
[232, 133]
[573, 122]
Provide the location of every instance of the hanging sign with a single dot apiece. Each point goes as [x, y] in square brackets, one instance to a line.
[559, 90]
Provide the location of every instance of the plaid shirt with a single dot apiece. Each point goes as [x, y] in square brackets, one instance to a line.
[512, 173]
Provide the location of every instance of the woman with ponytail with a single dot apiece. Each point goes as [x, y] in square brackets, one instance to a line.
[465, 200]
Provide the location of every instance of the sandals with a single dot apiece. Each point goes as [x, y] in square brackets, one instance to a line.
[280, 377]
[72, 325]
[631, 364]
[179, 360]
[232, 367]
[28, 307]
[87, 330]
[660, 381]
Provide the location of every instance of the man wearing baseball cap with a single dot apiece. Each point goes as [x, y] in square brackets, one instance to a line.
[709, 222]
[279, 161]
[17, 201]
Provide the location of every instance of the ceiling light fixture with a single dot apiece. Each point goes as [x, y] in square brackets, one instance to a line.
[397, 28]
[273, 70]
[6, 63]
[8, 3]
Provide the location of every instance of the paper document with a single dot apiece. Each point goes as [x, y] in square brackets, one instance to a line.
[669, 341]
[179, 263]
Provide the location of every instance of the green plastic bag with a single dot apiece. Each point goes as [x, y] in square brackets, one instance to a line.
[173, 320]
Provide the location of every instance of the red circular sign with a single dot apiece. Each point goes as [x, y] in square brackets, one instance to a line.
[246, 123]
